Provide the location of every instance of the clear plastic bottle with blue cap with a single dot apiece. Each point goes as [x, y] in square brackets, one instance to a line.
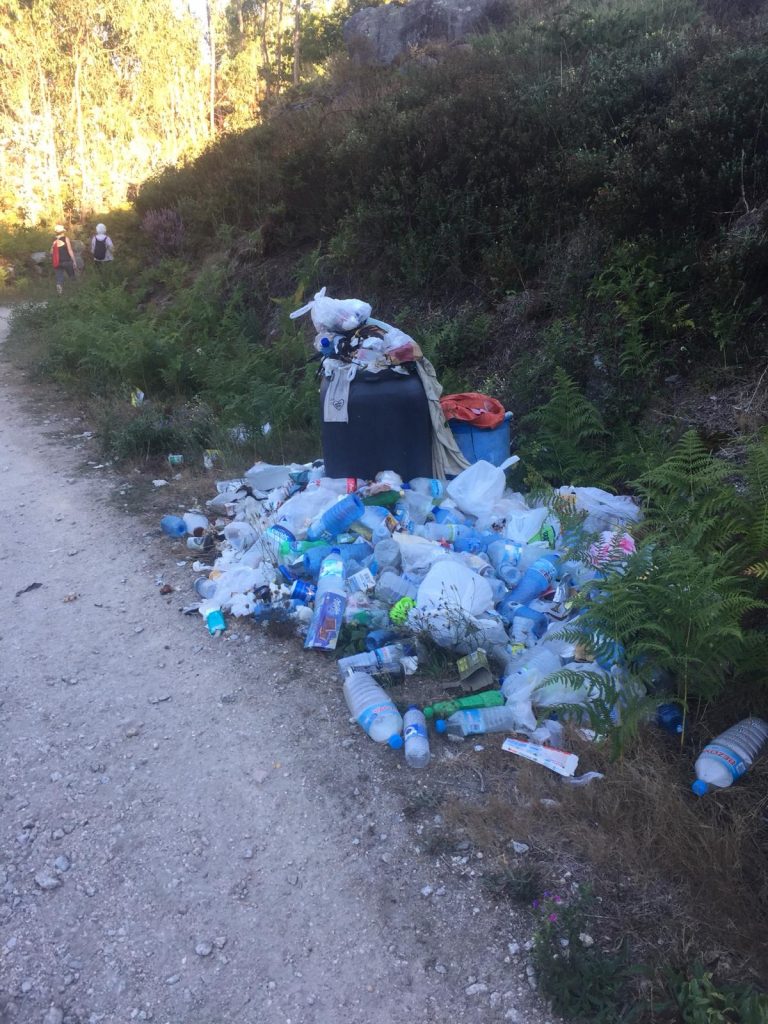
[729, 755]
[373, 710]
[476, 721]
[415, 738]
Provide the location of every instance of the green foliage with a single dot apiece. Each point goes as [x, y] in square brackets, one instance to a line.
[687, 499]
[618, 707]
[586, 984]
[568, 439]
[520, 883]
[700, 1000]
[679, 611]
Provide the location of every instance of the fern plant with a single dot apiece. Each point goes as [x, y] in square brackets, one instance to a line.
[687, 499]
[569, 436]
[754, 506]
[675, 610]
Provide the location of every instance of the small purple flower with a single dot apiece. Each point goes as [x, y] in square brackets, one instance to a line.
[547, 895]
[552, 918]
[535, 904]
[558, 899]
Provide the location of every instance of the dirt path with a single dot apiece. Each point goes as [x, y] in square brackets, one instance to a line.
[191, 831]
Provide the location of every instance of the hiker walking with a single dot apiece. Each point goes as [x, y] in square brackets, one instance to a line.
[62, 257]
[102, 247]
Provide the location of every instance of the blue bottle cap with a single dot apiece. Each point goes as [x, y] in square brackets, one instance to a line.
[413, 707]
[700, 788]
[441, 725]
[395, 742]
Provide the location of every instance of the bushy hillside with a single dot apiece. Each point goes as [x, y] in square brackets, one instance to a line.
[586, 189]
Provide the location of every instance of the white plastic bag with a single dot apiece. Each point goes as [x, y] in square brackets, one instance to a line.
[479, 487]
[524, 524]
[334, 314]
[449, 585]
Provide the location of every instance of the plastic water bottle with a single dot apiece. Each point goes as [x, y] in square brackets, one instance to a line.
[475, 721]
[336, 519]
[313, 559]
[387, 555]
[444, 708]
[380, 637]
[538, 664]
[727, 757]
[528, 625]
[434, 489]
[670, 718]
[330, 602]
[445, 516]
[174, 526]
[416, 739]
[392, 587]
[383, 660]
[538, 579]
[373, 710]
[504, 557]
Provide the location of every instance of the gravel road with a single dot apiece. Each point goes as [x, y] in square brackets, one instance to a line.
[191, 830]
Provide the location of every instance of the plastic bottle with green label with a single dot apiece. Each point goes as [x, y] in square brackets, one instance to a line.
[444, 708]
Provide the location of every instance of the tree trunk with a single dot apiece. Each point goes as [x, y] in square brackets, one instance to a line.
[296, 41]
[212, 79]
[279, 50]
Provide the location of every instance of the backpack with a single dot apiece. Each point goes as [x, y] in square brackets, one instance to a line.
[99, 248]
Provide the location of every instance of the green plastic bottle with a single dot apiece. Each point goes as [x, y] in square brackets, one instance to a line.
[445, 708]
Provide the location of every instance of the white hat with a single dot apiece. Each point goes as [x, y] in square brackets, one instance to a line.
[59, 229]
[101, 229]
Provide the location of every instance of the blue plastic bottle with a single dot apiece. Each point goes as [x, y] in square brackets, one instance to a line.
[174, 526]
[336, 519]
[504, 556]
[537, 580]
[670, 718]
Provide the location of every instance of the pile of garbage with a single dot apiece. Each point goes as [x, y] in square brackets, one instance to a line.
[467, 566]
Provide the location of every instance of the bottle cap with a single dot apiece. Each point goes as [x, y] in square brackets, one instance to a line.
[335, 551]
[700, 788]
[395, 742]
[441, 725]
[413, 707]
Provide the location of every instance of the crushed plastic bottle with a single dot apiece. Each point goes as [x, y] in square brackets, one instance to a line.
[381, 661]
[537, 580]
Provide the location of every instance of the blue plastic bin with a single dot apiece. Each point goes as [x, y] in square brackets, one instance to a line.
[478, 443]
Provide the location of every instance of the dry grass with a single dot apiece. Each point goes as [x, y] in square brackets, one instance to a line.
[684, 878]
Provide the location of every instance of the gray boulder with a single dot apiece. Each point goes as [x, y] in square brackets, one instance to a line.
[380, 35]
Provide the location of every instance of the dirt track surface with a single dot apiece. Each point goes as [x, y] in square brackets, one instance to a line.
[191, 830]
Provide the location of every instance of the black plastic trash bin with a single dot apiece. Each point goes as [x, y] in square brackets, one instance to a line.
[389, 428]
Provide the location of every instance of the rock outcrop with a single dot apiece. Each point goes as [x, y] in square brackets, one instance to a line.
[381, 35]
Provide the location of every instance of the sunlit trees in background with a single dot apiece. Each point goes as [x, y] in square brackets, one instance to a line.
[96, 95]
